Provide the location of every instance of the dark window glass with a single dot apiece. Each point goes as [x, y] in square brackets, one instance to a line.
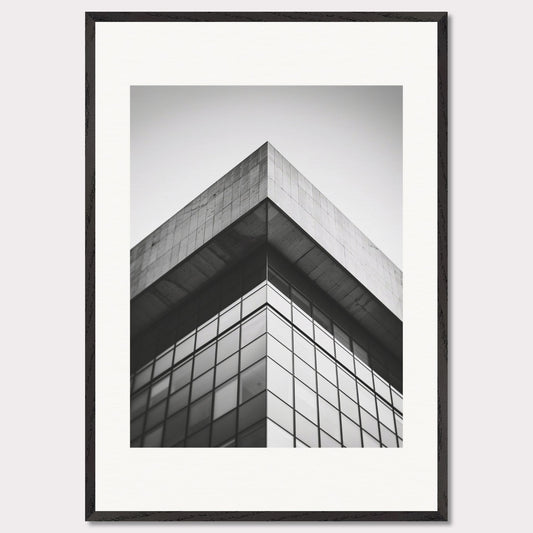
[153, 439]
[181, 376]
[252, 381]
[202, 385]
[278, 282]
[178, 400]
[225, 398]
[142, 378]
[224, 428]
[138, 404]
[228, 345]
[361, 353]
[252, 352]
[254, 437]
[301, 301]
[204, 360]
[253, 328]
[136, 427]
[322, 319]
[200, 413]
[199, 440]
[341, 336]
[252, 411]
[156, 415]
[175, 428]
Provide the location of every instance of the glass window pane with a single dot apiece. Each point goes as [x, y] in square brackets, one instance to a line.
[181, 376]
[224, 428]
[184, 348]
[252, 411]
[301, 301]
[397, 401]
[138, 404]
[329, 419]
[369, 423]
[277, 437]
[305, 401]
[351, 433]
[156, 415]
[341, 336]
[252, 381]
[324, 340]
[369, 441]
[367, 399]
[153, 439]
[279, 353]
[142, 378]
[280, 412]
[344, 357]
[304, 349]
[280, 329]
[225, 398]
[206, 333]
[254, 301]
[305, 373]
[328, 391]
[252, 352]
[229, 317]
[346, 383]
[385, 415]
[159, 390]
[360, 352]
[349, 407]
[363, 373]
[204, 360]
[302, 322]
[279, 302]
[199, 440]
[175, 428]
[227, 369]
[254, 437]
[326, 367]
[327, 442]
[253, 328]
[278, 282]
[322, 319]
[178, 400]
[163, 363]
[200, 413]
[388, 438]
[202, 385]
[306, 432]
[279, 382]
[382, 388]
[228, 345]
[300, 444]
[399, 425]
[136, 427]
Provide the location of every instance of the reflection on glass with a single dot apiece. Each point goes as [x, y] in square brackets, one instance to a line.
[202, 385]
[199, 413]
[227, 369]
[159, 390]
[184, 348]
[163, 363]
[252, 381]
[225, 398]
[252, 352]
[228, 345]
[181, 376]
[178, 400]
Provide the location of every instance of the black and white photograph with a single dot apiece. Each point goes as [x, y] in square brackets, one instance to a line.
[266, 281]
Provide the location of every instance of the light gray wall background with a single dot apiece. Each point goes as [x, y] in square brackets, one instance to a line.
[347, 141]
[490, 218]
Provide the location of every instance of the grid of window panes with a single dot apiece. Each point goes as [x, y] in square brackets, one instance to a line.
[268, 370]
[320, 390]
[209, 388]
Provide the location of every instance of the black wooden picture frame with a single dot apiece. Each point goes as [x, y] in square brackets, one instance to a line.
[91, 513]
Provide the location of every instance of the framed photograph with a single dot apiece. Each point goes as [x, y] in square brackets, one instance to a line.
[266, 266]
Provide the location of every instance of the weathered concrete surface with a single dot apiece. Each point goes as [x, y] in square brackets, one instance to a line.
[169, 261]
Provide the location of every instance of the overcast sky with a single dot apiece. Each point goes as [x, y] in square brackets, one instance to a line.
[346, 140]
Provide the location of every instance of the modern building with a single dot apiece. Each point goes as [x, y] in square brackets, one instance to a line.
[262, 317]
